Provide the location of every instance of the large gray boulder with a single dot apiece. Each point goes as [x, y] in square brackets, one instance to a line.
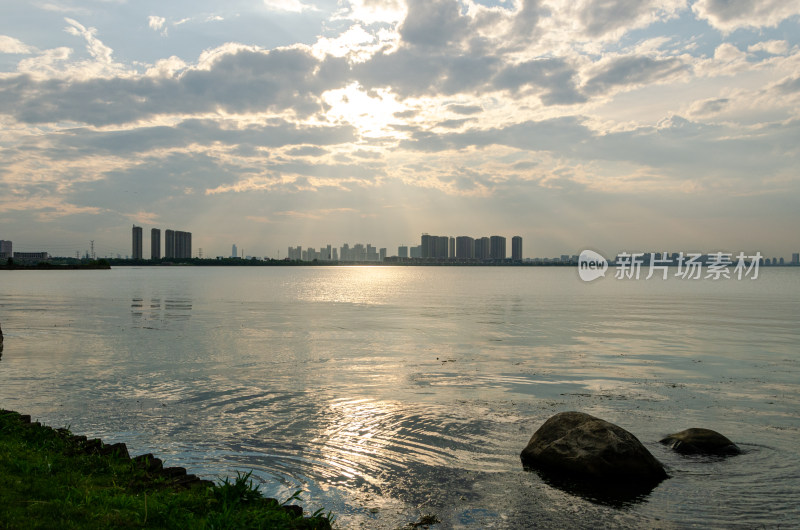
[577, 445]
[696, 441]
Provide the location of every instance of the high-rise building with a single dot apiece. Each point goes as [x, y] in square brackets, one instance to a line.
[382, 254]
[516, 248]
[402, 251]
[482, 248]
[155, 243]
[451, 250]
[442, 244]
[359, 252]
[372, 253]
[136, 253]
[497, 247]
[796, 258]
[465, 247]
[415, 252]
[169, 243]
[234, 251]
[428, 244]
[177, 244]
[435, 246]
[6, 249]
[183, 244]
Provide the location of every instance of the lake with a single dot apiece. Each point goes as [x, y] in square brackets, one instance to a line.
[385, 393]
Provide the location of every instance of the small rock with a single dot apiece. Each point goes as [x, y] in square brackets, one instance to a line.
[148, 462]
[173, 472]
[696, 441]
[119, 449]
[294, 510]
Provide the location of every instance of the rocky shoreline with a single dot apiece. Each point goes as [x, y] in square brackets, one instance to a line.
[140, 474]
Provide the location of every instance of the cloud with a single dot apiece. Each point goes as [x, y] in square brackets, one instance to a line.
[730, 15]
[244, 81]
[372, 11]
[433, 24]
[611, 17]
[12, 45]
[156, 23]
[553, 76]
[307, 150]
[453, 124]
[773, 47]
[465, 109]
[558, 134]
[99, 51]
[709, 106]
[789, 86]
[289, 6]
[205, 132]
[632, 71]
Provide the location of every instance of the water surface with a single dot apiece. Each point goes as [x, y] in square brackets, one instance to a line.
[389, 392]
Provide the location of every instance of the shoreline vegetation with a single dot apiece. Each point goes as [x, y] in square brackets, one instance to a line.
[54, 479]
[100, 264]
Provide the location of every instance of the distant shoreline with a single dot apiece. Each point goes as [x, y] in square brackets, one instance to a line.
[105, 264]
[47, 266]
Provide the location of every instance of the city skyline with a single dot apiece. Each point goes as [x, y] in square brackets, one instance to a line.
[605, 125]
[178, 244]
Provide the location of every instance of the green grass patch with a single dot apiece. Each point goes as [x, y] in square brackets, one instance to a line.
[51, 479]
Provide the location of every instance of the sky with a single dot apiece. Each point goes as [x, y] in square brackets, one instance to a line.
[612, 125]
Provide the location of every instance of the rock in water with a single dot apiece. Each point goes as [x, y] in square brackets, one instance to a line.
[701, 442]
[580, 446]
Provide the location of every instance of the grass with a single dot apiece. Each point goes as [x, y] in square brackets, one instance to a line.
[51, 479]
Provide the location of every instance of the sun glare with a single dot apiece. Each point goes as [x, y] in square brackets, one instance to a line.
[371, 113]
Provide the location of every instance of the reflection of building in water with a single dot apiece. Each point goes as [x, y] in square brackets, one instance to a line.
[156, 311]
